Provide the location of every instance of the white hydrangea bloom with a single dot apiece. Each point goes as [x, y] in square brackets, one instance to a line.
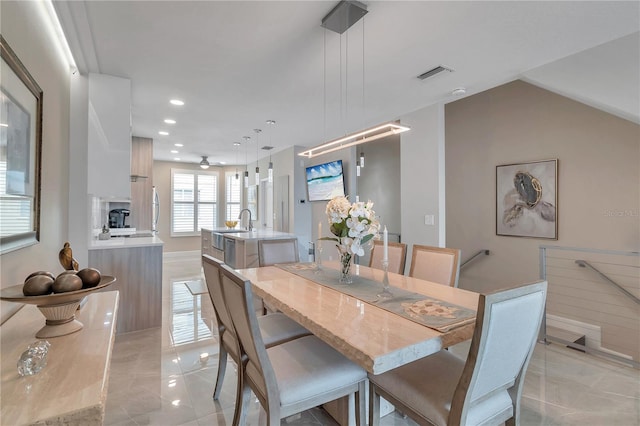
[358, 219]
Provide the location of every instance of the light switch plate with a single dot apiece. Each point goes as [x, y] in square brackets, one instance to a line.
[429, 219]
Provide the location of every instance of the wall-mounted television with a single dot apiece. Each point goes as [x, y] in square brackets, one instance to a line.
[325, 181]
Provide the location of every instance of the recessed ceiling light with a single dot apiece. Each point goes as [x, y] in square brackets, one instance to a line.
[174, 151]
[177, 102]
[459, 91]
[179, 145]
[169, 121]
[176, 158]
[163, 133]
[222, 162]
[236, 144]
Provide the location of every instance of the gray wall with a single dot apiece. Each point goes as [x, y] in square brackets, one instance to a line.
[379, 180]
[598, 173]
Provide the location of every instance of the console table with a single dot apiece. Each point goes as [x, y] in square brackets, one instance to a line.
[72, 388]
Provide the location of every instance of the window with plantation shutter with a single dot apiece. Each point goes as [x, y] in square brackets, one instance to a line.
[233, 195]
[16, 211]
[194, 196]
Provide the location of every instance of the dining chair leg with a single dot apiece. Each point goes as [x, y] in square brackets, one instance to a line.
[374, 406]
[243, 397]
[360, 404]
[222, 368]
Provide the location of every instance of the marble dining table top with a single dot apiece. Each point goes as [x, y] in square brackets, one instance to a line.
[375, 338]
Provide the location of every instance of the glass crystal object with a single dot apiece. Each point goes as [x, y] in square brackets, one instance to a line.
[34, 358]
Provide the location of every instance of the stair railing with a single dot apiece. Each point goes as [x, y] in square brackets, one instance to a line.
[481, 252]
[585, 264]
[566, 296]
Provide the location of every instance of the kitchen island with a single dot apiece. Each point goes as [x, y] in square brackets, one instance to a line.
[238, 248]
[136, 262]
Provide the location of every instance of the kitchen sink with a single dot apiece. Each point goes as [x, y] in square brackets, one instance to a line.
[230, 231]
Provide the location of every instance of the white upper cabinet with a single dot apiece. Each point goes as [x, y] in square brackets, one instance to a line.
[109, 137]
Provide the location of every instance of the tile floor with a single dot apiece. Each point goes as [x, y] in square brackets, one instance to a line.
[165, 376]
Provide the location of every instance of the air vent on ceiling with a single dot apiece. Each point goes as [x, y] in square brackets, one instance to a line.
[267, 148]
[434, 71]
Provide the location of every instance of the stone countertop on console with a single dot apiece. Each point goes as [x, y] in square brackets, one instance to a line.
[72, 388]
[125, 242]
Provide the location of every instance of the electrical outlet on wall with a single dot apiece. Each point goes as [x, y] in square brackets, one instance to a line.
[429, 219]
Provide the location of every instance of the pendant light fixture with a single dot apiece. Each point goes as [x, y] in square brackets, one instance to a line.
[236, 144]
[270, 170]
[204, 163]
[257, 167]
[368, 135]
[246, 162]
[362, 159]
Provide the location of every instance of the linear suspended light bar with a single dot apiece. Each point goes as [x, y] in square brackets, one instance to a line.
[364, 136]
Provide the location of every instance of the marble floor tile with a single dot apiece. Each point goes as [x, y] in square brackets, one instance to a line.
[166, 375]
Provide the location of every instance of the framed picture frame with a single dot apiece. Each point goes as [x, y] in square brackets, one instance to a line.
[527, 199]
[20, 153]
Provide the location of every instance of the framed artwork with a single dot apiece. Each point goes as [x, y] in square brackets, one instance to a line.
[527, 199]
[20, 153]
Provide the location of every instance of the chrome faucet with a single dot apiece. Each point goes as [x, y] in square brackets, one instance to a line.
[250, 227]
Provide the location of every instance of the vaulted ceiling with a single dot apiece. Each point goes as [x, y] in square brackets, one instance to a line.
[237, 64]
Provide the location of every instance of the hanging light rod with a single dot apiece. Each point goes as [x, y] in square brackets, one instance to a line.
[363, 136]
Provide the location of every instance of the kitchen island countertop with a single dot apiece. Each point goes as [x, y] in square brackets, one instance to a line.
[125, 242]
[256, 234]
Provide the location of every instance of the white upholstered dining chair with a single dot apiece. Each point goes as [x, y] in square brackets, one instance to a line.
[436, 264]
[397, 255]
[442, 389]
[293, 376]
[274, 328]
[271, 252]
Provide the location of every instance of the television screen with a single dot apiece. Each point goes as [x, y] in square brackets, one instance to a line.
[325, 181]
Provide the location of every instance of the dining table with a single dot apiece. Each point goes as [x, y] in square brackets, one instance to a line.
[354, 320]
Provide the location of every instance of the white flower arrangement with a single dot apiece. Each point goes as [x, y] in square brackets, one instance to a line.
[353, 224]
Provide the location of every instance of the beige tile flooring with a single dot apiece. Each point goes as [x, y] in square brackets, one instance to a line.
[165, 376]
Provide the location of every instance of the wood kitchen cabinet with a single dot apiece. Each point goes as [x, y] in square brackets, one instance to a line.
[137, 265]
[141, 183]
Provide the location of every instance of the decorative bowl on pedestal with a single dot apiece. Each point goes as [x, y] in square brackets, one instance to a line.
[231, 224]
[58, 308]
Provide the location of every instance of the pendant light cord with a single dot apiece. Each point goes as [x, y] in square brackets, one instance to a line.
[324, 118]
[346, 81]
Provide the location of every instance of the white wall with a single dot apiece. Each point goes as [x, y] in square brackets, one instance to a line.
[25, 28]
[422, 178]
[79, 202]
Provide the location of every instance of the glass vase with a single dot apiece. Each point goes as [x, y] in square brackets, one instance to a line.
[346, 259]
